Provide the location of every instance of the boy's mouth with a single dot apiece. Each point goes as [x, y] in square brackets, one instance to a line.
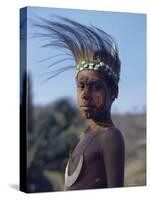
[86, 106]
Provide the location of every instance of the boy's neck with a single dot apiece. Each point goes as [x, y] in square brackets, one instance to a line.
[101, 121]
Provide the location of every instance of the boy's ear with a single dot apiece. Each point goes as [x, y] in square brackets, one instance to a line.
[114, 93]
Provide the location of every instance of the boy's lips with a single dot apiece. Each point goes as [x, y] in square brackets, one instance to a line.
[86, 106]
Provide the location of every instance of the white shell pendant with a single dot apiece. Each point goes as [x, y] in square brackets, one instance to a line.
[70, 179]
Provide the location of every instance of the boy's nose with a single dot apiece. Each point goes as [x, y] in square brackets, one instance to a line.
[86, 93]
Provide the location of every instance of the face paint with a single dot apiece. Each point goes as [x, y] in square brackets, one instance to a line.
[92, 94]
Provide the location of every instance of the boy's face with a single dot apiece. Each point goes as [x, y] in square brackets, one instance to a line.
[93, 95]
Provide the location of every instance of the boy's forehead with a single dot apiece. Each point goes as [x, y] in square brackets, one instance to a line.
[89, 75]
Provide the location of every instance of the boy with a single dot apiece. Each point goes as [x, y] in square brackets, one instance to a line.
[98, 159]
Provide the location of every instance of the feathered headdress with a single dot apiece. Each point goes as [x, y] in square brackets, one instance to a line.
[89, 47]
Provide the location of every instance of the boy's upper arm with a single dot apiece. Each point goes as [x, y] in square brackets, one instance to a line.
[112, 144]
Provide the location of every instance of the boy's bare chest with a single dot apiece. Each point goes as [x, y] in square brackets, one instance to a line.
[87, 147]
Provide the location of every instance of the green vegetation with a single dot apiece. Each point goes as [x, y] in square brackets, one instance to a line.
[57, 129]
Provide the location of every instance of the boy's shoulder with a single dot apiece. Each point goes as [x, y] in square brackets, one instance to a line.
[110, 136]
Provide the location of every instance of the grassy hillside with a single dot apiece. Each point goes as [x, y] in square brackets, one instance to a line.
[133, 127]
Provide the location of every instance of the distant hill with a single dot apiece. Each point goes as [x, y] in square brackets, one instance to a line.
[133, 127]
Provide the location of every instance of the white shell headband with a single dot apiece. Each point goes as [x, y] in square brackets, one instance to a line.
[97, 66]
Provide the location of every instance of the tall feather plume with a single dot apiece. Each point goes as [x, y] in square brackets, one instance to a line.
[79, 42]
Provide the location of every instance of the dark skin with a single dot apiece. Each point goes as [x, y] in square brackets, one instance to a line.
[103, 165]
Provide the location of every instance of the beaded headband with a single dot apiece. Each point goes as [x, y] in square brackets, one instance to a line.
[97, 66]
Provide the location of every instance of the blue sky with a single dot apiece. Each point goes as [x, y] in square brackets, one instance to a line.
[129, 31]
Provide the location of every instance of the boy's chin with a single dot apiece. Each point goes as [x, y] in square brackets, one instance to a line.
[87, 115]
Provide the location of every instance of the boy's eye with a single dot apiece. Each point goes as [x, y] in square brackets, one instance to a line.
[80, 85]
[96, 86]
